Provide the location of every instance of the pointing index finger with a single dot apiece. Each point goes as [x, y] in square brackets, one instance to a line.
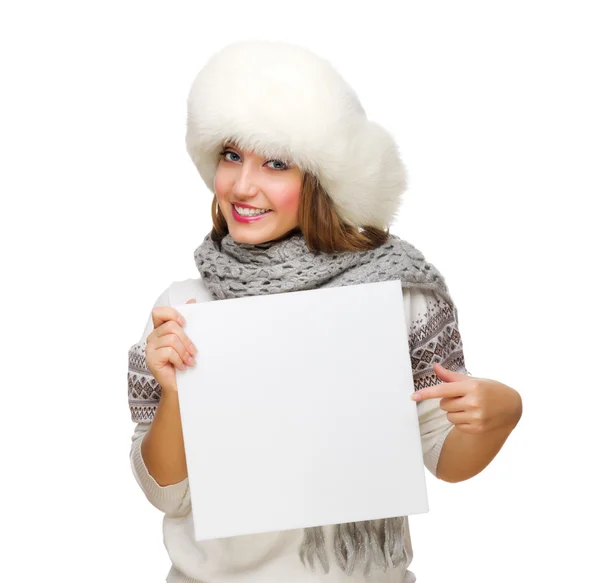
[439, 391]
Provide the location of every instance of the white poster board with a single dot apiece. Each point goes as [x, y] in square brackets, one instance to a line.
[298, 411]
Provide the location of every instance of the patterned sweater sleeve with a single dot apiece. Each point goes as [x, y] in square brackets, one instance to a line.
[143, 395]
[433, 336]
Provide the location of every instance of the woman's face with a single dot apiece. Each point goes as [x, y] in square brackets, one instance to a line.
[247, 184]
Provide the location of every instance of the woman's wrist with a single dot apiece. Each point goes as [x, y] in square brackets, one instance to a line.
[169, 393]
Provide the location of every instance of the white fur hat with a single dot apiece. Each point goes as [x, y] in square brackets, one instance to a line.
[283, 101]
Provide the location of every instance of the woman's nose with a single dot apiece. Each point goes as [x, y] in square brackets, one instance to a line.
[244, 184]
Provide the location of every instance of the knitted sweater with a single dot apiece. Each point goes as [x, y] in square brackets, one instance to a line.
[273, 557]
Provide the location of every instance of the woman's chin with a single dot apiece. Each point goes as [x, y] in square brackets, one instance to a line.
[258, 232]
[249, 235]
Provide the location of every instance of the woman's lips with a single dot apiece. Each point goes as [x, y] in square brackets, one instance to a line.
[242, 219]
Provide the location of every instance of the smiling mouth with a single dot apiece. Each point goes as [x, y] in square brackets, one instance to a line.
[250, 212]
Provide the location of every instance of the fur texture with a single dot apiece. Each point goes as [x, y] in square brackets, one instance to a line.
[282, 100]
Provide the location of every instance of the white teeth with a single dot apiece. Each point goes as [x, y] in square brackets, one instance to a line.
[249, 212]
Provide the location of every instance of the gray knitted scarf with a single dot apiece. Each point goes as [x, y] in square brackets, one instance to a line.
[235, 270]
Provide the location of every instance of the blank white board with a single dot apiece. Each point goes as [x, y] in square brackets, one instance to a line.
[298, 411]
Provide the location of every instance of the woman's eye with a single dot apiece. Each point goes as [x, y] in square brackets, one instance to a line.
[225, 154]
[280, 164]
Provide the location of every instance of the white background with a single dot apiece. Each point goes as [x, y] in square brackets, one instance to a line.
[495, 109]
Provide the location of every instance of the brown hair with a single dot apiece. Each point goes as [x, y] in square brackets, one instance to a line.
[318, 221]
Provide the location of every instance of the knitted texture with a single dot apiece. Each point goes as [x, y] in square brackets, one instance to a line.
[240, 269]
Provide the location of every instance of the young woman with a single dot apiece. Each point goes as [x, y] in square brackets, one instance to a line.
[305, 188]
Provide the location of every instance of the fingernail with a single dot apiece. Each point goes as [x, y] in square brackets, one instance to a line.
[415, 396]
[193, 349]
[181, 320]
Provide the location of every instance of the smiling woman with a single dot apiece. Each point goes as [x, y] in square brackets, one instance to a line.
[305, 188]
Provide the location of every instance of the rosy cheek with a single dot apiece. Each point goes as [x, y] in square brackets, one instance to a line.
[221, 186]
[288, 200]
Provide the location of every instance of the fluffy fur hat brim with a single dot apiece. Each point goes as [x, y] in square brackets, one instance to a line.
[283, 101]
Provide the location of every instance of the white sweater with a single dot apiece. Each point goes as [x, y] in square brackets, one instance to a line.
[273, 557]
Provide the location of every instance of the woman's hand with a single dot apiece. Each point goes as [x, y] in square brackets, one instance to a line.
[167, 346]
[474, 405]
